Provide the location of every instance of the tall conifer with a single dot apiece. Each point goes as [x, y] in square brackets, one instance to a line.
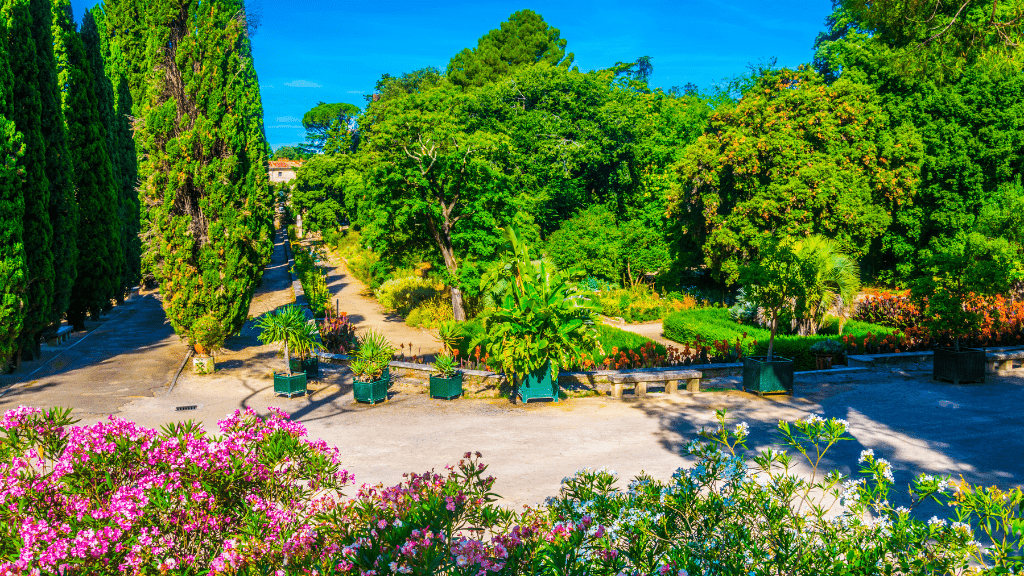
[63, 208]
[205, 172]
[98, 228]
[12, 210]
[114, 130]
[37, 237]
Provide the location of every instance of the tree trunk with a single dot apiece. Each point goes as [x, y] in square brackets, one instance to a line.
[458, 307]
[443, 237]
[771, 338]
[287, 359]
[77, 321]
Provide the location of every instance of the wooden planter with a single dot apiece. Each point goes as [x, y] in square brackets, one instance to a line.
[764, 377]
[446, 388]
[372, 392]
[311, 366]
[823, 361]
[538, 385]
[289, 384]
[967, 365]
[203, 365]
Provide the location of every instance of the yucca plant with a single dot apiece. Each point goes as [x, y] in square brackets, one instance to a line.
[449, 334]
[445, 365]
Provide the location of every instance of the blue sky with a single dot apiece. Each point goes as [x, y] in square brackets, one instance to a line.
[308, 51]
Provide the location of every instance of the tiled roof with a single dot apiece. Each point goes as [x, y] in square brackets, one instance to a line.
[285, 164]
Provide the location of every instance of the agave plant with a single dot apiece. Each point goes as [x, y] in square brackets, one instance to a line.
[445, 365]
[289, 326]
[449, 334]
[372, 357]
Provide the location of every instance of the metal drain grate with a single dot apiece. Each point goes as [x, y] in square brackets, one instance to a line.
[185, 408]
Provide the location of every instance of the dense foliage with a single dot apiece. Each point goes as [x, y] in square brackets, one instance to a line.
[12, 210]
[258, 497]
[202, 152]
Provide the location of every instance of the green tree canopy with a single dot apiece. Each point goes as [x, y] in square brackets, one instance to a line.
[523, 40]
[12, 211]
[290, 153]
[589, 241]
[322, 119]
[794, 157]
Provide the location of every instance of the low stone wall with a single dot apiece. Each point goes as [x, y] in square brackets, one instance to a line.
[483, 384]
[1000, 359]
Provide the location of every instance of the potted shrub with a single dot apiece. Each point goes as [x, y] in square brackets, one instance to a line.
[447, 383]
[538, 326]
[207, 337]
[826, 352]
[289, 327]
[370, 369]
[960, 272]
[774, 280]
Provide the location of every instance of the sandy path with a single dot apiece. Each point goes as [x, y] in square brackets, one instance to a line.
[652, 330]
[356, 300]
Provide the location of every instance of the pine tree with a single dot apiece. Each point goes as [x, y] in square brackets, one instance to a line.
[98, 228]
[37, 237]
[63, 208]
[12, 211]
[115, 129]
[205, 173]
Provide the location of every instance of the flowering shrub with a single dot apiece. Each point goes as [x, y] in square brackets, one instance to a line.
[260, 499]
[338, 335]
[894, 311]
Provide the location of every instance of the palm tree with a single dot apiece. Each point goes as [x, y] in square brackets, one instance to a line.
[834, 283]
[290, 327]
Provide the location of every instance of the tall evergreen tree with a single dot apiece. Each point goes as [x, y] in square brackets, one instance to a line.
[115, 129]
[35, 186]
[12, 210]
[98, 229]
[205, 168]
[63, 207]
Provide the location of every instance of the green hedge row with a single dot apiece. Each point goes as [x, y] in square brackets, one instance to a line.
[712, 324]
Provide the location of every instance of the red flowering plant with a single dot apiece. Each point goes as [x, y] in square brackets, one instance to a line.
[961, 274]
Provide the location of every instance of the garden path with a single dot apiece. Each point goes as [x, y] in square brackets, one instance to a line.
[652, 330]
[132, 352]
[355, 299]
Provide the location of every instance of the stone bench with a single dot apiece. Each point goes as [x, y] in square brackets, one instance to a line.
[639, 381]
[996, 362]
[61, 335]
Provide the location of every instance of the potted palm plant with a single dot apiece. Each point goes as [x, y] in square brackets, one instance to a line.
[207, 337]
[290, 327]
[960, 272]
[538, 326]
[826, 353]
[370, 369]
[774, 280]
[447, 383]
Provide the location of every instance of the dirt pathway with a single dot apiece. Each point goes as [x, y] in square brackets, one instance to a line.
[355, 299]
[652, 330]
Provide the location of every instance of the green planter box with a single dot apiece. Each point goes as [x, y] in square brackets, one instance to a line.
[763, 377]
[290, 384]
[372, 392]
[537, 385]
[446, 388]
[967, 365]
[311, 366]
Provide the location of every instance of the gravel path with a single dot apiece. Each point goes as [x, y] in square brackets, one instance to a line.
[652, 330]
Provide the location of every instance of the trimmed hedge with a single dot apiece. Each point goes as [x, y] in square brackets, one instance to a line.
[712, 324]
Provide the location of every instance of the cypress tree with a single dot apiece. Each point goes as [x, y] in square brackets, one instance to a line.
[205, 169]
[12, 211]
[63, 208]
[98, 228]
[114, 130]
[37, 236]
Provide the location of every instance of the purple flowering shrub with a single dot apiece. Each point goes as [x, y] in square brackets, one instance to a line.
[260, 499]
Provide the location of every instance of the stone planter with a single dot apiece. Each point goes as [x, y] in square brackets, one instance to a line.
[203, 364]
[289, 384]
[967, 365]
[311, 367]
[764, 377]
[372, 392]
[446, 388]
[538, 385]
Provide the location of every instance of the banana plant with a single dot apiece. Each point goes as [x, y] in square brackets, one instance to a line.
[539, 318]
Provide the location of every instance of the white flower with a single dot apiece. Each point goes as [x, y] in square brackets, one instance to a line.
[843, 423]
[742, 429]
[813, 419]
[865, 455]
[936, 521]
